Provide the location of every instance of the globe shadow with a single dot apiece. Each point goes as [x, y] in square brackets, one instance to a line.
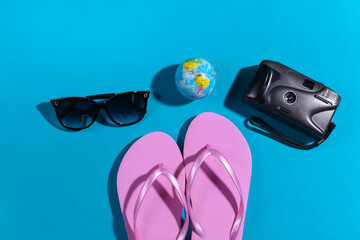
[164, 88]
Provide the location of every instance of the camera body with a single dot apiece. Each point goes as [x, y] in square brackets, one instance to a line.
[294, 98]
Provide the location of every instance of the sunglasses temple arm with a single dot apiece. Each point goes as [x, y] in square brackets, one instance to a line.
[101, 96]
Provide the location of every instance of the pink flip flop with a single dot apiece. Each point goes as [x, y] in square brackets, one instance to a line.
[150, 184]
[218, 170]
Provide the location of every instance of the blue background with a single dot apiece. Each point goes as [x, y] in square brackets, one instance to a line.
[56, 184]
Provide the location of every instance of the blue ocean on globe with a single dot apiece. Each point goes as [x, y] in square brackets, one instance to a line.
[195, 78]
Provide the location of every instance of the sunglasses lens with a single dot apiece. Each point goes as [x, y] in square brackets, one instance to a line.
[127, 108]
[77, 113]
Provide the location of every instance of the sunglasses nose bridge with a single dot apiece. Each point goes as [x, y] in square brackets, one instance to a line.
[101, 105]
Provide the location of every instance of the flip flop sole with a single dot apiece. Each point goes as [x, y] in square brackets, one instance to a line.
[214, 196]
[160, 213]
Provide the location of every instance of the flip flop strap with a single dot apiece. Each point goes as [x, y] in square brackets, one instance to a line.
[199, 160]
[160, 170]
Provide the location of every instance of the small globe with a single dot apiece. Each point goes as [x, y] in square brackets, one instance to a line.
[195, 78]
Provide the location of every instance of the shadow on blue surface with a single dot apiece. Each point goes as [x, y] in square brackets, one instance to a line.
[118, 224]
[180, 141]
[164, 88]
[48, 112]
[235, 102]
[181, 137]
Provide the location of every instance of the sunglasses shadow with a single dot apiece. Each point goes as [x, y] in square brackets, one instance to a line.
[48, 112]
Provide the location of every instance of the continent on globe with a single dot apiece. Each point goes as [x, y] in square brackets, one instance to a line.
[201, 81]
[191, 63]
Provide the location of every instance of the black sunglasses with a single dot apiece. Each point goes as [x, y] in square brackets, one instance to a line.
[122, 108]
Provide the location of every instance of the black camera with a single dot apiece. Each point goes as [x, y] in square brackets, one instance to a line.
[295, 99]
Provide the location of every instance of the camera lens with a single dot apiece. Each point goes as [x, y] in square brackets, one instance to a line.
[290, 97]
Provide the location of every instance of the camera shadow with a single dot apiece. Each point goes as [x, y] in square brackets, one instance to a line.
[235, 102]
